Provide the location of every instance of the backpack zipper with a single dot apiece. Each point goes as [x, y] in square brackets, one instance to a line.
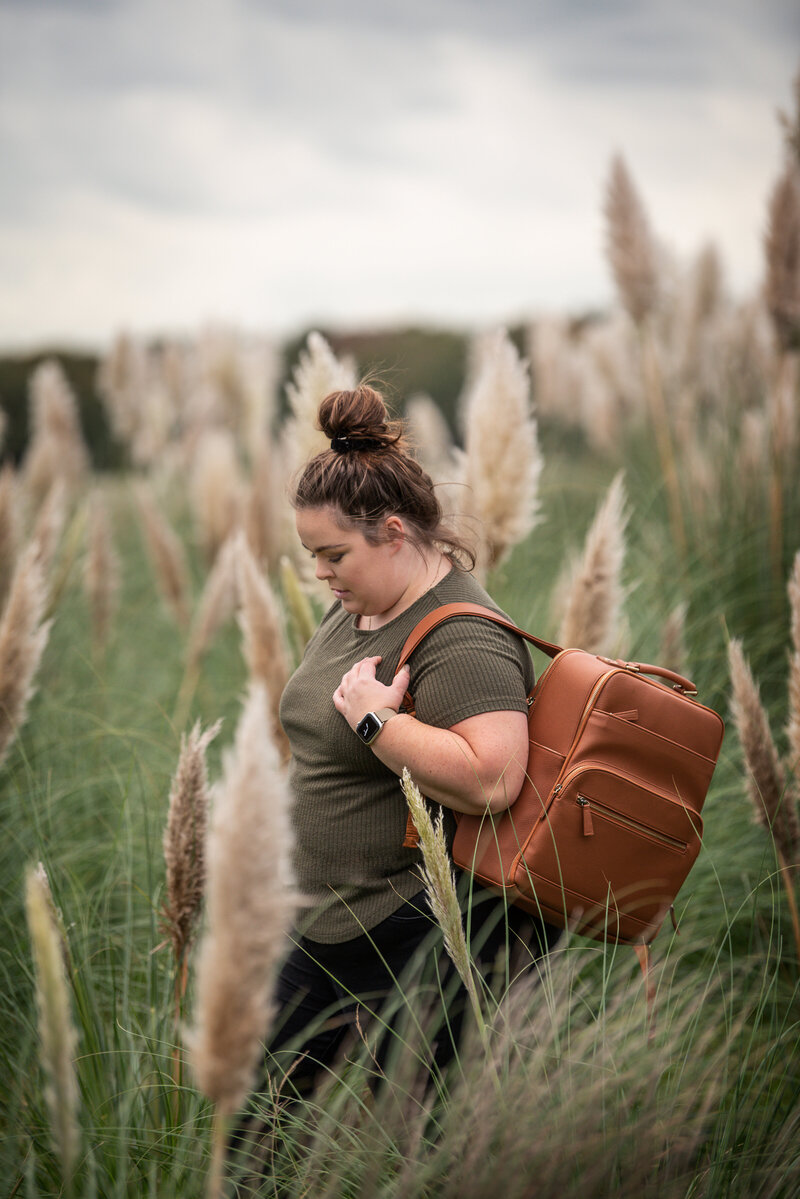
[588, 805]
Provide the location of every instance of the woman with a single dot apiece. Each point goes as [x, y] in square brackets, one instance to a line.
[368, 515]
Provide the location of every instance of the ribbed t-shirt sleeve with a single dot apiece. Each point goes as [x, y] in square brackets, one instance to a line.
[468, 666]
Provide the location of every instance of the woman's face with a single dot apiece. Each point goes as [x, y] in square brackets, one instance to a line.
[367, 579]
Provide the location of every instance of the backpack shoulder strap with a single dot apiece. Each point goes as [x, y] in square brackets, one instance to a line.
[447, 611]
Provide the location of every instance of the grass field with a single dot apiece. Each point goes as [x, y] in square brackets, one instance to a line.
[587, 1104]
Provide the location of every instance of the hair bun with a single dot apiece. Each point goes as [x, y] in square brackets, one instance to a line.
[349, 417]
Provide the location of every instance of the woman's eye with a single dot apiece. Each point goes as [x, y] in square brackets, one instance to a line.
[336, 558]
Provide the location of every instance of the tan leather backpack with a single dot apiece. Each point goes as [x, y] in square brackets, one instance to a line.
[607, 825]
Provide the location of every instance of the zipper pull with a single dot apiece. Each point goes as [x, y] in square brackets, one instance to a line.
[588, 826]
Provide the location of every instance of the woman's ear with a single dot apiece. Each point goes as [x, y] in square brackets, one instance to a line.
[395, 531]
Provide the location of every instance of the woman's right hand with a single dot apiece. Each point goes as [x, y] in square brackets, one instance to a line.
[360, 692]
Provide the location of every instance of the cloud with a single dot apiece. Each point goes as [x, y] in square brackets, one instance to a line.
[282, 162]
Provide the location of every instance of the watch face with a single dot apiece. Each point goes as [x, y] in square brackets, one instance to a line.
[369, 727]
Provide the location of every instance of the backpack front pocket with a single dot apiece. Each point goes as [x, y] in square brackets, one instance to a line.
[609, 851]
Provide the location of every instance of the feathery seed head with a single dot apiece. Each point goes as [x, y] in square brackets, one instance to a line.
[218, 601]
[502, 461]
[591, 594]
[631, 248]
[56, 449]
[301, 614]
[793, 726]
[782, 250]
[56, 1032]
[23, 637]
[264, 645]
[185, 838]
[167, 555]
[316, 375]
[101, 570]
[217, 490]
[766, 783]
[437, 875]
[249, 906]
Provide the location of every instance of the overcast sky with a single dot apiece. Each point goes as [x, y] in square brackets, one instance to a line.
[281, 163]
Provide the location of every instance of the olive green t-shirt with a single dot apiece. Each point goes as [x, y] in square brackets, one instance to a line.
[349, 811]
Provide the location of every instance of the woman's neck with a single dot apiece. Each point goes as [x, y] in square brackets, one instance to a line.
[433, 568]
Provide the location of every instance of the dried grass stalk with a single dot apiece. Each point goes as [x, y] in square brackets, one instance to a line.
[249, 907]
[217, 490]
[631, 247]
[591, 593]
[316, 375]
[782, 251]
[502, 463]
[264, 645]
[303, 623]
[101, 571]
[217, 603]
[23, 637]
[56, 1032]
[263, 507]
[167, 556]
[791, 124]
[766, 781]
[185, 839]
[48, 527]
[56, 449]
[9, 526]
[436, 451]
[440, 887]
[793, 725]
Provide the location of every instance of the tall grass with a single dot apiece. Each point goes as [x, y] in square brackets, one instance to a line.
[586, 1103]
[557, 1088]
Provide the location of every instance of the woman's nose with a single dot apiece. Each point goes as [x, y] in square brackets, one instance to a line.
[323, 570]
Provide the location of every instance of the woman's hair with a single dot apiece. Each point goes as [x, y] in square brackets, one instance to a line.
[368, 475]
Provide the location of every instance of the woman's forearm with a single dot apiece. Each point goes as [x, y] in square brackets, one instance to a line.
[446, 767]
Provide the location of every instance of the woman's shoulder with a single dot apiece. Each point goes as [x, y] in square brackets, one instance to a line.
[460, 587]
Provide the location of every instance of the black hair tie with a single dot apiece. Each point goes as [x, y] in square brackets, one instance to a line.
[346, 445]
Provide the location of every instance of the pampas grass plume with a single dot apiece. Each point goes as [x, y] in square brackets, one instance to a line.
[301, 614]
[782, 252]
[101, 571]
[9, 526]
[591, 594]
[264, 646]
[56, 448]
[793, 726]
[217, 490]
[23, 637]
[631, 247]
[440, 886]
[263, 510]
[49, 524]
[56, 1032]
[316, 375]
[766, 782]
[249, 906]
[502, 460]
[167, 555]
[185, 839]
[217, 602]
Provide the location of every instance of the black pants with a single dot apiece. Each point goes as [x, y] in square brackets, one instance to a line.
[327, 993]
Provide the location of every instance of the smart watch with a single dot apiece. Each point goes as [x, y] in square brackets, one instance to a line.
[371, 724]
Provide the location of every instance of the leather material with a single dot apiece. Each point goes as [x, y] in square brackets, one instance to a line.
[608, 822]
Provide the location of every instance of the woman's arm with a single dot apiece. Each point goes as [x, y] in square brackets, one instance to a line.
[479, 762]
